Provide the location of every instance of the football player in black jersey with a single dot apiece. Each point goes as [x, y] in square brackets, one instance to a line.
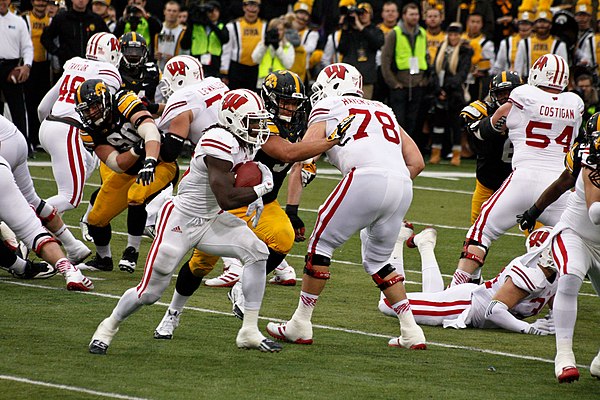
[138, 74]
[284, 96]
[122, 132]
[494, 152]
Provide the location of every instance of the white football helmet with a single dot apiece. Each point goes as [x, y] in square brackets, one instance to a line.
[538, 238]
[180, 71]
[105, 47]
[549, 71]
[337, 80]
[244, 113]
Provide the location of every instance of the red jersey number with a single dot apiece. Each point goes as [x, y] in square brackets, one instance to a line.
[68, 88]
[385, 121]
[541, 141]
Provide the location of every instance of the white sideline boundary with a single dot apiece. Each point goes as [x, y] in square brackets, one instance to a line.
[331, 328]
[69, 388]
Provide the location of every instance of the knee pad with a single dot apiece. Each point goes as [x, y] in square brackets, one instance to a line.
[40, 241]
[385, 271]
[470, 256]
[312, 259]
[45, 212]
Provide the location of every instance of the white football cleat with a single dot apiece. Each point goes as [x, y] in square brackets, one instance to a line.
[228, 278]
[285, 276]
[236, 296]
[291, 331]
[167, 325]
[406, 232]
[8, 237]
[427, 236]
[565, 368]
[251, 338]
[595, 367]
[77, 281]
[102, 338]
[412, 338]
[77, 253]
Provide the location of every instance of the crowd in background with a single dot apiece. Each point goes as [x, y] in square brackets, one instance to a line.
[426, 59]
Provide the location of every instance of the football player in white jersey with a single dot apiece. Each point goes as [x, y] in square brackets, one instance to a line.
[13, 148]
[519, 291]
[377, 157]
[576, 249]
[543, 123]
[18, 215]
[71, 163]
[195, 219]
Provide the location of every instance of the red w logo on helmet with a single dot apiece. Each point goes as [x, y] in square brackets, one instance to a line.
[540, 63]
[537, 238]
[336, 69]
[114, 44]
[233, 101]
[176, 68]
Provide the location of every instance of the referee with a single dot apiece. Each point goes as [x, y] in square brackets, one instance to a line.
[16, 46]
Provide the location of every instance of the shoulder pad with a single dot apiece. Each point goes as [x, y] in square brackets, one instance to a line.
[273, 129]
[526, 278]
[126, 102]
[88, 140]
[219, 143]
[573, 157]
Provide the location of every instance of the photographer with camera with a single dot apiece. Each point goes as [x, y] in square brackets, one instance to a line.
[205, 36]
[136, 19]
[274, 53]
[359, 43]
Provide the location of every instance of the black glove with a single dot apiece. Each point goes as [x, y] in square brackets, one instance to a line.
[139, 148]
[146, 174]
[527, 220]
[297, 223]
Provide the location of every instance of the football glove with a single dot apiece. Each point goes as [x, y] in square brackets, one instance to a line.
[267, 181]
[309, 172]
[297, 223]
[146, 174]
[256, 208]
[545, 325]
[340, 131]
[527, 220]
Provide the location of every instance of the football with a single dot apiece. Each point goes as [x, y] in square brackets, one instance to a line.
[13, 76]
[247, 174]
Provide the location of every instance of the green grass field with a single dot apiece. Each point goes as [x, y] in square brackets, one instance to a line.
[45, 330]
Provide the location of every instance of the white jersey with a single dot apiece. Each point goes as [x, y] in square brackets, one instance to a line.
[168, 43]
[542, 127]
[203, 99]
[195, 197]
[576, 215]
[7, 129]
[530, 279]
[376, 142]
[60, 100]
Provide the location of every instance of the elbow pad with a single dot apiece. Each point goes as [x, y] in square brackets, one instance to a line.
[170, 147]
[111, 162]
[594, 213]
[149, 132]
[485, 129]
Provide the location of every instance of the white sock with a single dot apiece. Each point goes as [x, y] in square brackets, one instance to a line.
[253, 285]
[112, 322]
[306, 306]
[66, 237]
[134, 241]
[565, 307]
[460, 277]
[103, 251]
[404, 313]
[250, 319]
[178, 302]
[432, 277]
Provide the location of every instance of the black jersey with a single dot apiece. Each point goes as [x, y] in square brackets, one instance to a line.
[494, 154]
[142, 81]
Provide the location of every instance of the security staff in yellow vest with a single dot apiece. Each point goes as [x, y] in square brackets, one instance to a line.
[238, 68]
[538, 44]
[483, 57]
[205, 36]
[404, 66]
[38, 83]
[507, 52]
[274, 53]
[136, 19]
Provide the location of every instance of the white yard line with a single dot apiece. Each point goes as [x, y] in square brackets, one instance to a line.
[69, 388]
[331, 328]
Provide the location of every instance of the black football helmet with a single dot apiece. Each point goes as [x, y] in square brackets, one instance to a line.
[93, 103]
[504, 81]
[592, 137]
[134, 50]
[284, 95]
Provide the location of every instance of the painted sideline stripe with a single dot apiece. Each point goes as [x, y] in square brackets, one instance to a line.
[331, 328]
[70, 388]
